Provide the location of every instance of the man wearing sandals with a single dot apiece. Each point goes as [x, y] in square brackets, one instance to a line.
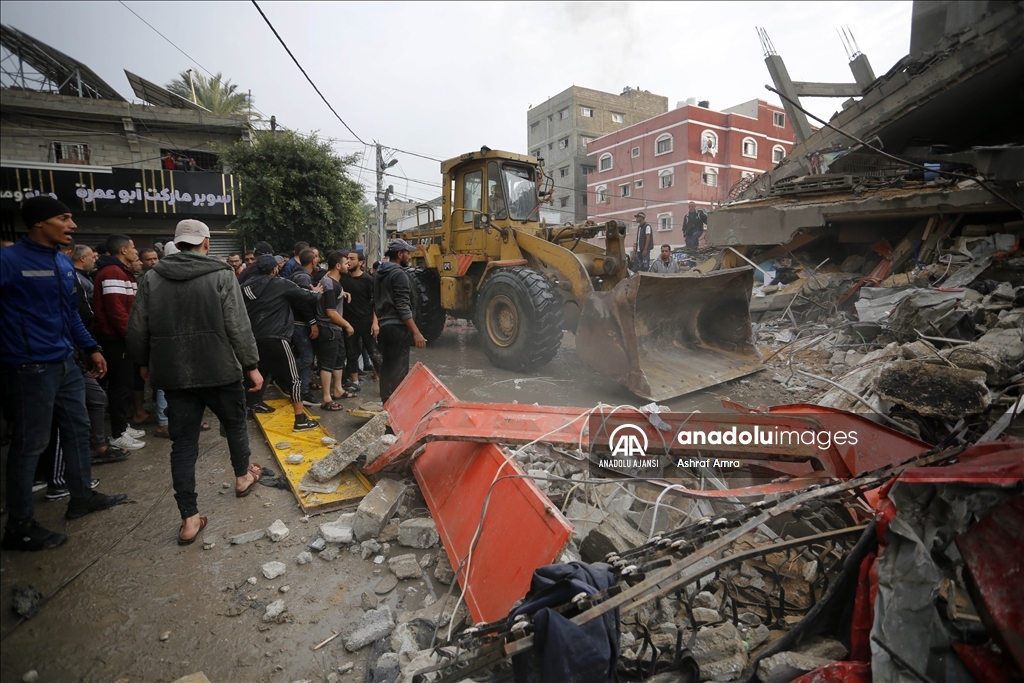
[330, 345]
[190, 336]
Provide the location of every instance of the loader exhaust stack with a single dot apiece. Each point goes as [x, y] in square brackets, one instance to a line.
[662, 336]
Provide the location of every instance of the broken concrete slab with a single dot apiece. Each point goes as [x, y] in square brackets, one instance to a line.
[274, 611]
[783, 667]
[277, 531]
[999, 353]
[720, 652]
[372, 626]
[340, 530]
[419, 532]
[443, 572]
[376, 508]
[348, 451]
[247, 537]
[824, 648]
[613, 534]
[368, 600]
[704, 615]
[386, 584]
[405, 566]
[584, 518]
[857, 380]
[379, 447]
[933, 390]
[272, 570]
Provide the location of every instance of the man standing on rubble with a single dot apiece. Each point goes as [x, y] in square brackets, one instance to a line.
[644, 242]
[392, 302]
[693, 225]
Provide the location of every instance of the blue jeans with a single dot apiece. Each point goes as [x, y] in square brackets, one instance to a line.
[34, 393]
[161, 408]
[185, 412]
[303, 346]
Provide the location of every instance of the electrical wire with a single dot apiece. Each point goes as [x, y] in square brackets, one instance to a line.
[288, 50]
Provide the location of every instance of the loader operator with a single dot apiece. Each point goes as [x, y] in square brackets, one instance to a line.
[392, 302]
[644, 242]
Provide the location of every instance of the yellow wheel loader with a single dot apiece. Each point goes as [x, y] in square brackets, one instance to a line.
[489, 258]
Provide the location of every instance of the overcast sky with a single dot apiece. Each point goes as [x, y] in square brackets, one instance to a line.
[441, 79]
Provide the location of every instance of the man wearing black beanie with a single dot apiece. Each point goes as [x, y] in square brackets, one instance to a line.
[39, 330]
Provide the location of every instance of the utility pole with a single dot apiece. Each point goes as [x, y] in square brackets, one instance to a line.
[382, 199]
[193, 85]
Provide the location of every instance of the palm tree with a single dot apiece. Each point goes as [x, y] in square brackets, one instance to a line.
[216, 94]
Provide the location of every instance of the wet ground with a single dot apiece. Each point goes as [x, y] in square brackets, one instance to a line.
[128, 605]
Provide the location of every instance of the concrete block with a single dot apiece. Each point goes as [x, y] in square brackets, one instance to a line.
[330, 554]
[348, 451]
[372, 626]
[387, 668]
[720, 652]
[272, 570]
[248, 537]
[420, 532]
[443, 572]
[274, 611]
[705, 599]
[305, 557]
[405, 566]
[377, 508]
[786, 666]
[703, 615]
[613, 534]
[340, 530]
[368, 600]
[824, 648]
[379, 447]
[277, 531]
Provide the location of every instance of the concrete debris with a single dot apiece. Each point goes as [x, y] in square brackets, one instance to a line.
[387, 668]
[419, 532]
[933, 390]
[372, 626]
[704, 615]
[786, 666]
[720, 652]
[317, 544]
[998, 353]
[248, 537]
[705, 599]
[427, 560]
[340, 530]
[272, 570]
[405, 566]
[443, 572]
[824, 648]
[305, 557]
[330, 554]
[348, 451]
[274, 611]
[376, 508]
[386, 585]
[368, 600]
[277, 531]
[613, 534]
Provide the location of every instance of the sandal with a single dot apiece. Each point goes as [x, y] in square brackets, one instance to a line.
[347, 394]
[332, 406]
[314, 386]
[190, 541]
[256, 471]
[108, 456]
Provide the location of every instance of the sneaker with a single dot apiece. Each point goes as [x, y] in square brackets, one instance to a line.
[308, 400]
[98, 501]
[135, 433]
[352, 386]
[110, 455]
[38, 486]
[30, 536]
[55, 493]
[303, 424]
[127, 443]
[261, 407]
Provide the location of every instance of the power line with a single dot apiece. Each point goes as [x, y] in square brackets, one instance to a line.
[421, 156]
[286, 49]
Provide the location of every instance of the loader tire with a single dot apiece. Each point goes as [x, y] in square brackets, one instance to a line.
[519, 319]
[426, 296]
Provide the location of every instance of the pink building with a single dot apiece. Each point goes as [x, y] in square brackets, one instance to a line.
[691, 153]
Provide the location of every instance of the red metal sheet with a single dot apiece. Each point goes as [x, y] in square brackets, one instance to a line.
[521, 528]
[993, 552]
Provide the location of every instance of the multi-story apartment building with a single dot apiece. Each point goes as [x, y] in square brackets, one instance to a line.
[691, 153]
[562, 129]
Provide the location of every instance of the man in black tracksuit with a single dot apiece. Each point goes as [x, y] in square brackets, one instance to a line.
[392, 302]
[269, 301]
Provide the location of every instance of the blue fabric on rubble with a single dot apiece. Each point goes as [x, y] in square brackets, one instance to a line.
[564, 652]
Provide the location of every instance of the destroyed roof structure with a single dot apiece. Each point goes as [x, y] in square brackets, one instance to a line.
[954, 104]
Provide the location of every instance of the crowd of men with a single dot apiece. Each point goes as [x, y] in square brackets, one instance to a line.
[83, 331]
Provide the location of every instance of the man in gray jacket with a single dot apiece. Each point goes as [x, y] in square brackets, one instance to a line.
[191, 337]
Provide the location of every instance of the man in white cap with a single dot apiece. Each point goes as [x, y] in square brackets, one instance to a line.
[644, 241]
[196, 345]
[392, 302]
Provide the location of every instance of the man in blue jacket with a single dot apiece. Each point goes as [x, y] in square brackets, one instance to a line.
[39, 330]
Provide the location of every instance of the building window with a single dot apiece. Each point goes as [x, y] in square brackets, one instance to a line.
[587, 170]
[563, 143]
[564, 114]
[710, 176]
[551, 145]
[618, 118]
[563, 172]
[533, 127]
[563, 201]
[709, 143]
[779, 119]
[605, 163]
[663, 145]
[583, 199]
[635, 152]
[70, 153]
[624, 190]
[665, 178]
[584, 141]
[638, 184]
[587, 112]
[664, 222]
[778, 154]
[750, 148]
[602, 194]
[535, 152]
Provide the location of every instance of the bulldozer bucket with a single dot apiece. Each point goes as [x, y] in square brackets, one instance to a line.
[662, 336]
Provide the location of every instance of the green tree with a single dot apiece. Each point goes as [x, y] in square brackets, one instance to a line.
[216, 94]
[294, 188]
